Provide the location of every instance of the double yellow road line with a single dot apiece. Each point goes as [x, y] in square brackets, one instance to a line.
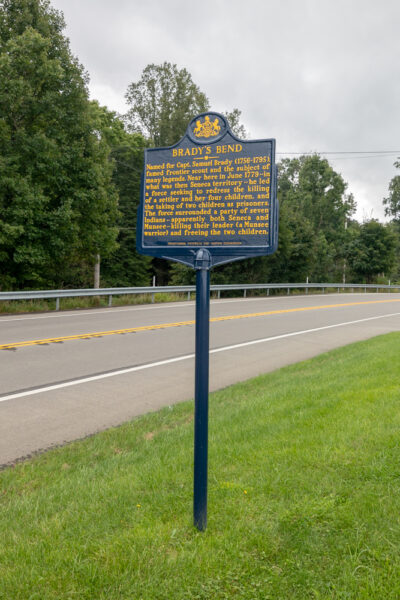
[99, 334]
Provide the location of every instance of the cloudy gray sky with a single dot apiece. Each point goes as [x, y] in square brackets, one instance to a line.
[318, 75]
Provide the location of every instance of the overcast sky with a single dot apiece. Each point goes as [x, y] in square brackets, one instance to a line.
[317, 75]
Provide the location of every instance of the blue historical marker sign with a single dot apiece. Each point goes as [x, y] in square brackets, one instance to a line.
[208, 200]
[210, 190]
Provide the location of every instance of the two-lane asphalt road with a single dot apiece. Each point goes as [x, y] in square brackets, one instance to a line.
[66, 375]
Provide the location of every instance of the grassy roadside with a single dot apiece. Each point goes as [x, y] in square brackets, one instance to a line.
[84, 302]
[304, 496]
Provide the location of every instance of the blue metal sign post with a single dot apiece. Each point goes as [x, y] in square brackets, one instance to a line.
[202, 266]
[208, 200]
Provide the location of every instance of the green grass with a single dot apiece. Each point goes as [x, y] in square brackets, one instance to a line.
[85, 302]
[304, 496]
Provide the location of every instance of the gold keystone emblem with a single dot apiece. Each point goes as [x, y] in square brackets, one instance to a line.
[208, 128]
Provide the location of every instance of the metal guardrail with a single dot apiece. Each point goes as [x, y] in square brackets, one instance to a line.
[188, 289]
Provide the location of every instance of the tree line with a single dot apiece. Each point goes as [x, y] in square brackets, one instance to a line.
[70, 174]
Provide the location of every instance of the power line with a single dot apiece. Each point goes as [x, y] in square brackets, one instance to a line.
[362, 157]
[374, 152]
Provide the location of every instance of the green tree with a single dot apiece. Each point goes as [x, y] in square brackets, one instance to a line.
[163, 102]
[392, 202]
[372, 252]
[392, 209]
[126, 267]
[233, 116]
[58, 206]
[394, 227]
[316, 209]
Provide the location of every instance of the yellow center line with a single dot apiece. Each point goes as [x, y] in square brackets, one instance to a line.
[87, 336]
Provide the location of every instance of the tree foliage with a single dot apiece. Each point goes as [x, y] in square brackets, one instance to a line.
[316, 209]
[372, 252]
[58, 207]
[233, 116]
[163, 102]
[392, 202]
[125, 267]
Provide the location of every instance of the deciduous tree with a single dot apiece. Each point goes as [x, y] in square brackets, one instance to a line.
[163, 102]
[58, 206]
[372, 252]
[316, 207]
[126, 267]
[392, 202]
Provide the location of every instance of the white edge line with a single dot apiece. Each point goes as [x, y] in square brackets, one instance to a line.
[59, 386]
[168, 361]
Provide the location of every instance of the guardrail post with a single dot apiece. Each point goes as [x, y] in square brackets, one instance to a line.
[323, 290]
[110, 300]
[267, 291]
[288, 291]
[188, 296]
[219, 294]
[244, 293]
[57, 303]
